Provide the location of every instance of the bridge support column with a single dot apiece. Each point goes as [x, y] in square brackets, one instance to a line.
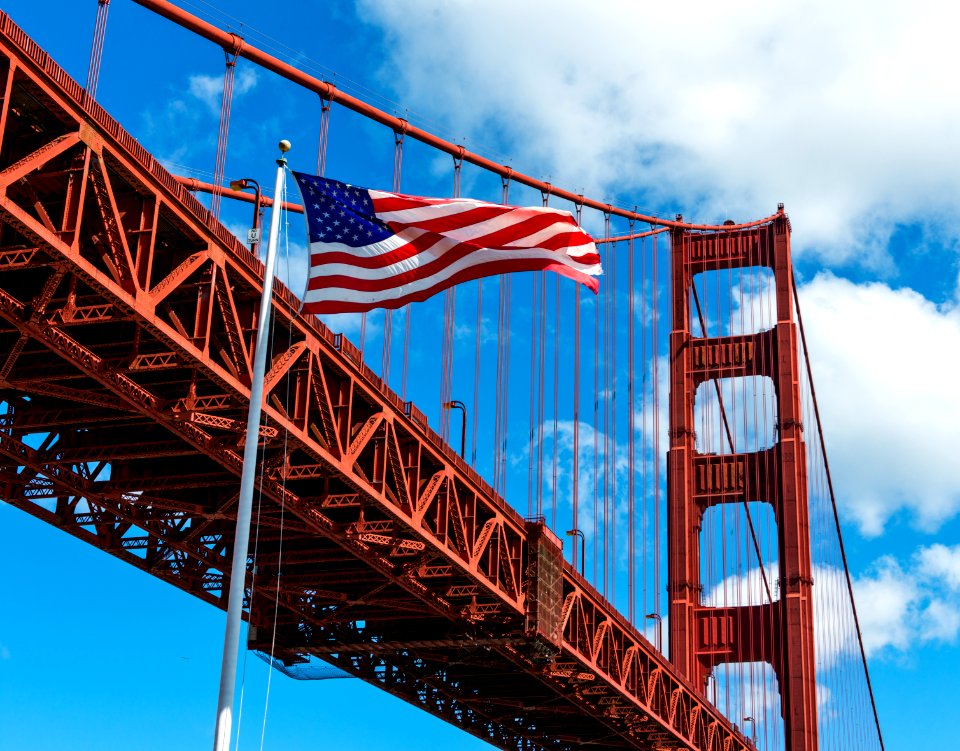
[779, 632]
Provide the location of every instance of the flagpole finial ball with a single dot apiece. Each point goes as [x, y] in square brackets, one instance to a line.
[285, 146]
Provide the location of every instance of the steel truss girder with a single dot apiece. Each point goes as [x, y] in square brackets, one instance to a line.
[147, 305]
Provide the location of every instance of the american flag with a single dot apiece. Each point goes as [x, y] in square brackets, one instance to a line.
[373, 249]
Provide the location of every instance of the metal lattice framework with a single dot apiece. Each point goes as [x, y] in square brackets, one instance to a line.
[126, 322]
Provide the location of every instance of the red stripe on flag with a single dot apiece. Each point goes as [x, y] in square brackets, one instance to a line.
[422, 271]
[494, 241]
[406, 251]
[451, 222]
[465, 275]
[391, 202]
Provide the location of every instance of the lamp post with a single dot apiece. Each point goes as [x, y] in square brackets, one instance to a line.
[245, 183]
[656, 617]
[753, 729]
[457, 404]
[583, 548]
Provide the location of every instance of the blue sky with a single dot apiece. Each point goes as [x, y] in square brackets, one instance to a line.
[712, 111]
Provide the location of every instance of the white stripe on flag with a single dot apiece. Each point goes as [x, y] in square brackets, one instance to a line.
[477, 258]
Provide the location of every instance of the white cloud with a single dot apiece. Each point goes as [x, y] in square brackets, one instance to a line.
[881, 360]
[888, 606]
[209, 89]
[838, 110]
[940, 622]
[165, 129]
[901, 607]
[942, 563]
[745, 589]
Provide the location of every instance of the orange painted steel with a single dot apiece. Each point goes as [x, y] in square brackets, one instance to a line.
[778, 632]
[199, 186]
[126, 323]
[328, 91]
[633, 236]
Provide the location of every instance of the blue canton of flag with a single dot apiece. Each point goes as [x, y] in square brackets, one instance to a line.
[340, 213]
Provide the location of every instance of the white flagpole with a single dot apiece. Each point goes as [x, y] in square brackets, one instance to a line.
[238, 569]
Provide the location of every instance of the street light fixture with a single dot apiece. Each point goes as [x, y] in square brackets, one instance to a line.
[656, 617]
[583, 548]
[753, 729]
[246, 183]
[708, 681]
[457, 404]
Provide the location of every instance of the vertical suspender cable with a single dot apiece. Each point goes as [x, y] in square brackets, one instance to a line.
[405, 371]
[531, 439]
[556, 393]
[387, 312]
[609, 471]
[96, 48]
[499, 431]
[575, 463]
[631, 526]
[764, 633]
[387, 345]
[655, 347]
[449, 324]
[476, 377]
[404, 375]
[754, 597]
[226, 102]
[505, 418]
[541, 373]
[612, 391]
[643, 416]
[596, 440]
[323, 136]
[605, 414]
[503, 351]
[446, 373]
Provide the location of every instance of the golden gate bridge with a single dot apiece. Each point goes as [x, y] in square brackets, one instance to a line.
[128, 318]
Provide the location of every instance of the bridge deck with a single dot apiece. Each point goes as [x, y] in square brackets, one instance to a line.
[126, 335]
